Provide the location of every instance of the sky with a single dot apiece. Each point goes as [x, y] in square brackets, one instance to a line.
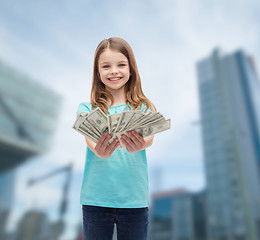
[54, 42]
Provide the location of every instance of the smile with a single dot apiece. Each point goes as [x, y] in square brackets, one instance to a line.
[114, 79]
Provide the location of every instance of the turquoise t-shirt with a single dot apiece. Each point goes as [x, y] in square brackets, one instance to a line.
[120, 181]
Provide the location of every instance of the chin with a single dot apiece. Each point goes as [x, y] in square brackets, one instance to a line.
[115, 87]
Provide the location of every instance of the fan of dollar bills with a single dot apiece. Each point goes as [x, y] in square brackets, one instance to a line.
[92, 125]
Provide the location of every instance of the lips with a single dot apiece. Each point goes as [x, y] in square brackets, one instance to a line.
[114, 79]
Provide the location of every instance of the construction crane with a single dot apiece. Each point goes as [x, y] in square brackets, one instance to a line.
[58, 227]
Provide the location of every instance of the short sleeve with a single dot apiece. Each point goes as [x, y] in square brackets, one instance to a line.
[84, 107]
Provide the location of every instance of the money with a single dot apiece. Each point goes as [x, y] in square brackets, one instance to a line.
[94, 124]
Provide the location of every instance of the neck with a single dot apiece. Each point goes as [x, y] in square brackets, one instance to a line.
[118, 95]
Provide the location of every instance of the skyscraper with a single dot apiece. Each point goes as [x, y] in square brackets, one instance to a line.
[229, 94]
[177, 215]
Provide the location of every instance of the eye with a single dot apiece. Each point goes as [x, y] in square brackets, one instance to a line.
[105, 66]
[122, 64]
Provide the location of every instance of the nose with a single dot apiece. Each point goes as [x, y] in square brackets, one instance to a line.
[114, 70]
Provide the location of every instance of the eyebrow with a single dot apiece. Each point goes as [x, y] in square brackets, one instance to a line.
[118, 62]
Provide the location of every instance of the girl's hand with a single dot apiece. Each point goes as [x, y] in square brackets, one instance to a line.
[134, 142]
[102, 149]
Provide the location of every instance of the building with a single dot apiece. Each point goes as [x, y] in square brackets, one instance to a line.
[229, 94]
[33, 226]
[178, 215]
[28, 117]
[7, 181]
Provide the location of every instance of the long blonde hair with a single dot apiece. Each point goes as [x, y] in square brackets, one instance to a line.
[100, 97]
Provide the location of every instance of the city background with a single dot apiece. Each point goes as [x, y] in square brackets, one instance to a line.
[198, 63]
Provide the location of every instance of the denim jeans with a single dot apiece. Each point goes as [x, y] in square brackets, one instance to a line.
[98, 223]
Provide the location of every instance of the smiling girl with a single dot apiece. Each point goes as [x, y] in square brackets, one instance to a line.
[115, 183]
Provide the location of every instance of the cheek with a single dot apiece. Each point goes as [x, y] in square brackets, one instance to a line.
[127, 72]
[102, 78]
[102, 74]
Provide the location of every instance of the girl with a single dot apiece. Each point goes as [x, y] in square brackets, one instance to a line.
[115, 182]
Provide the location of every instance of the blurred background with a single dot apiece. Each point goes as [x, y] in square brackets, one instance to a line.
[198, 63]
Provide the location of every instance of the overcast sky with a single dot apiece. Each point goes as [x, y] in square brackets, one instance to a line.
[54, 42]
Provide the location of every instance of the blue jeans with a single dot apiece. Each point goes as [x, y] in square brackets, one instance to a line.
[98, 223]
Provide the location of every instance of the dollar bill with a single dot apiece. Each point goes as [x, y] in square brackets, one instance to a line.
[113, 121]
[152, 129]
[137, 115]
[124, 119]
[98, 120]
[93, 125]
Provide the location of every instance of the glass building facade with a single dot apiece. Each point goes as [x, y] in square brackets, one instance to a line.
[178, 215]
[28, 117]
[7, 182]
[229, 94]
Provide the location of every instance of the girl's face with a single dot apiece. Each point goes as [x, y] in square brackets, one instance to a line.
[114, 69]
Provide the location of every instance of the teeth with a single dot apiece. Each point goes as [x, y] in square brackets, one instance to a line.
[114, 78]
